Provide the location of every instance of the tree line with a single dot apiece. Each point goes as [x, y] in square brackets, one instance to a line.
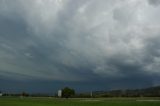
[68, 92]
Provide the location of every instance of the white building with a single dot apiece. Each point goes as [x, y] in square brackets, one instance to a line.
[59, 93]
[1, 94]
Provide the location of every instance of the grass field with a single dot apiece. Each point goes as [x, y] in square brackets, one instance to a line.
[79, 102]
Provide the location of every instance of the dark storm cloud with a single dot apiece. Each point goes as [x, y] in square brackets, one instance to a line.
[90, 40]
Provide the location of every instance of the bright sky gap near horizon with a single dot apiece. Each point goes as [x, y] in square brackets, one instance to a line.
[85, 44]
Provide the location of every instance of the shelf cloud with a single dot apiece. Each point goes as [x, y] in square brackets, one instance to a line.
[79, 40]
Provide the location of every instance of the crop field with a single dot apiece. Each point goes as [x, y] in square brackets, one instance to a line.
[79, 102]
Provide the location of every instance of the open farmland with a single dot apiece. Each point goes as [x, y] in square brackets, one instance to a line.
[79, 102]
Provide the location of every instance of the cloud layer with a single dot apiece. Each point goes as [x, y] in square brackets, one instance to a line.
[79, 40]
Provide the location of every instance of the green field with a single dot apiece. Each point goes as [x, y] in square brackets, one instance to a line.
[79, 102]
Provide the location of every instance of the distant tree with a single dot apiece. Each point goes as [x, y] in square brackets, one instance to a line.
[67, 92]
[24, 94]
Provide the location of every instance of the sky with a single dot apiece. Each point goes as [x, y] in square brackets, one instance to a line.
[46, 45]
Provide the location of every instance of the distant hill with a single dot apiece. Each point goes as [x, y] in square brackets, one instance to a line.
[146, 92]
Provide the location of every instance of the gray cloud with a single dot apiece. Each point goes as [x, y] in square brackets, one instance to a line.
[154, 2]
[54, 39]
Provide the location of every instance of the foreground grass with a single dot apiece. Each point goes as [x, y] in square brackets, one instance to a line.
[77, 102]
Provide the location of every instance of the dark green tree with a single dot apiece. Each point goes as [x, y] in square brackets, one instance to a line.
[24, 94]
[68, 92]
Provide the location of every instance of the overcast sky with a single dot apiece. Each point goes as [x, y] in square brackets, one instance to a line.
[86, 44]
